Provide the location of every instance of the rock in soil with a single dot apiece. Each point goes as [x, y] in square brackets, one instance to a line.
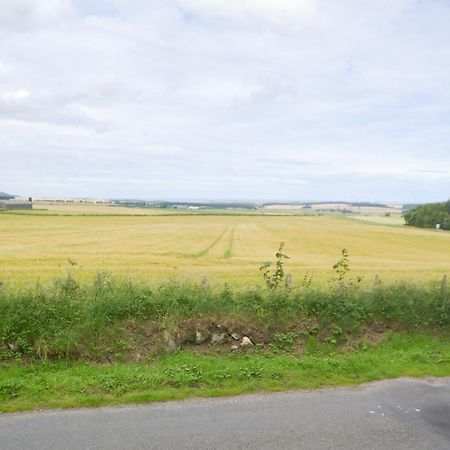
[218, 338]
[246, 342]
[169, 340]
[199, 338]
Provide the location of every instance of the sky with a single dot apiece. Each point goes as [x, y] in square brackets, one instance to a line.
[226, 99]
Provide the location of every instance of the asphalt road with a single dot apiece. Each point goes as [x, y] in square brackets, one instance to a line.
[396, 414]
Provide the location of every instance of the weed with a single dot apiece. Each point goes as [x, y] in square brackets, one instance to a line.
[273, 278]
[342, 266]
[284, 341]
[184, 375]
[247, 373]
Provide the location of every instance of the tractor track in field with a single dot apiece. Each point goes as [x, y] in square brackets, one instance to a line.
[206, 250]
[229, 250]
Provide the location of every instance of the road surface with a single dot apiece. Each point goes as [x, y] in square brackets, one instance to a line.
[395, 414]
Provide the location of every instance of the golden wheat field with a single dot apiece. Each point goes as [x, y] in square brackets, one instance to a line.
[224, 248]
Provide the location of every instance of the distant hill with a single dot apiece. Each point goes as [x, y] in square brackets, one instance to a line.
[5, 196]
[430, 215]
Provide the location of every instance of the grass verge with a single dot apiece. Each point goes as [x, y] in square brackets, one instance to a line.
[183, 374]
[125, 322]
[107, 342]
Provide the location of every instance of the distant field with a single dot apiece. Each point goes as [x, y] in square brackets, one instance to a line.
[76, 208]
[367, 210]
[385, 220]
[225, 248]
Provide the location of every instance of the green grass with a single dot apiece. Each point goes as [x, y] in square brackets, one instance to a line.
[185, 374]
[91, 321]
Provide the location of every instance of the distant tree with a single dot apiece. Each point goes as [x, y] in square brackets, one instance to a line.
[429, 215]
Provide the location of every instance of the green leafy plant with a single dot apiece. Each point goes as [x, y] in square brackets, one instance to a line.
[273, 273]
[284, 341]
[307, 280]
[343, 265]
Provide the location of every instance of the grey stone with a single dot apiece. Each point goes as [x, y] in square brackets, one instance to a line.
[169, 340]
[246, 342]
[199, 338]
[218, 338]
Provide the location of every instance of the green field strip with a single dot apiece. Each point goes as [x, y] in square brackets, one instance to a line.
[209, 247]
[229, 250]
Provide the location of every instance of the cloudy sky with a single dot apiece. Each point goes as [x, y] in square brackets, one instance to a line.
[226, 99]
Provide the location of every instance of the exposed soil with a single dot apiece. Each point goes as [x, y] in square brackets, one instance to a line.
[206, 335]
[147, 340]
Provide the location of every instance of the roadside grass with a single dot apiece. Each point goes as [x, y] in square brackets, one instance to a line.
[183, 374]
[70, 344]
[110, 320]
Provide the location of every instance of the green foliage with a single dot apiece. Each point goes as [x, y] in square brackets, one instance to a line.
[343, 265]
[284, 341]
[274, 277]
[429, 215]
[69, 320]
[307, 280]
[185, 374]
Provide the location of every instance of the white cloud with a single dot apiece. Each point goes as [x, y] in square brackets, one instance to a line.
[14, 96]
[22, 14]
[279, 12]
[226, 99]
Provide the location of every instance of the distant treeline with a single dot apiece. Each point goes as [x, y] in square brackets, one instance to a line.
[430, 215]
[5, 196]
